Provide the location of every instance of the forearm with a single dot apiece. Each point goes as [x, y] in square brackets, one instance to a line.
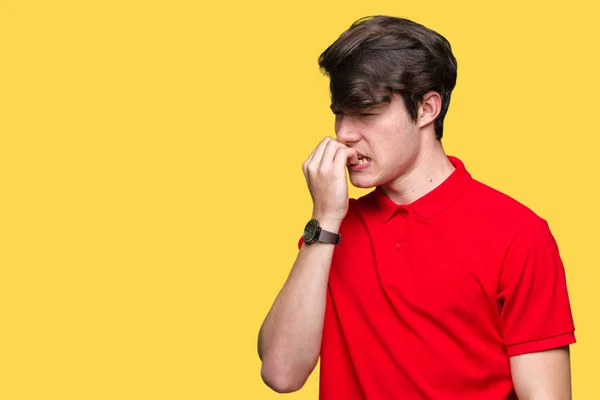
[290, 338]
[545, 375]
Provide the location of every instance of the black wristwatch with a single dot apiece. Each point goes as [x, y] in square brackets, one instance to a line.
[314, 233]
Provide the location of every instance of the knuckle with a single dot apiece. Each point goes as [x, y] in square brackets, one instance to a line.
[324, 169]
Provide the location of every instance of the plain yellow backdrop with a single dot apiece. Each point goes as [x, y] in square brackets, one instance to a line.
[151, 188]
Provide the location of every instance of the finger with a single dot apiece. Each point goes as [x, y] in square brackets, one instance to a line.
[344, 157]
[318, 153]
[312, 164]
[351, 156]
[331, 149]
[310, 158]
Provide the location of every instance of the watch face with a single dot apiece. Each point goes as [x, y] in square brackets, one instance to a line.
[310, 231]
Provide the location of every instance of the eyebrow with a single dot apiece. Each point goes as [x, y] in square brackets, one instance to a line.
[373, 108]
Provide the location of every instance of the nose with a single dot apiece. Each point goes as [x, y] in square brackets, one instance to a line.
[346, 129]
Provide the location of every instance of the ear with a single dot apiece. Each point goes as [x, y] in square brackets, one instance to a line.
[429, 108]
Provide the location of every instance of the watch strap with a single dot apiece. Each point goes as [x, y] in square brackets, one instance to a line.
[329, 237]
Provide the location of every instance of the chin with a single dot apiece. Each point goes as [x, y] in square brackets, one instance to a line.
[363, 182]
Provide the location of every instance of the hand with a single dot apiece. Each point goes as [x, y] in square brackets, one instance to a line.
[325, 173]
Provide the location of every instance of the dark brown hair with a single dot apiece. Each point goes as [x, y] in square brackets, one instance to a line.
[381, 55]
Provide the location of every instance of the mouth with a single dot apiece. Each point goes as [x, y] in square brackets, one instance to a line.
[363, 163]
[362, 159]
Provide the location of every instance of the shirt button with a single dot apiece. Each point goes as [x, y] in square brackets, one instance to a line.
[398, 246]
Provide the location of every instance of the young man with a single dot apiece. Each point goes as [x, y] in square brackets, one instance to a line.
[432, 286]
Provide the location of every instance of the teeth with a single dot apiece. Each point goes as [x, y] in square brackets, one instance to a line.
[363, 160]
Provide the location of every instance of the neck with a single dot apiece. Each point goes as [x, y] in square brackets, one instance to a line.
[430, 168]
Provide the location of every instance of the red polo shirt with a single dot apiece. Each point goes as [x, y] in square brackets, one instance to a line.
[429, 300]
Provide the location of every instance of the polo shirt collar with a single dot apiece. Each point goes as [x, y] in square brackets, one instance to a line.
[432, 203]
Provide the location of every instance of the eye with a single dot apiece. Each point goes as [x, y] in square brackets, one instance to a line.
[366, 115]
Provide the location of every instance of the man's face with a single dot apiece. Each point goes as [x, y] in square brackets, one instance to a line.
[387, 140]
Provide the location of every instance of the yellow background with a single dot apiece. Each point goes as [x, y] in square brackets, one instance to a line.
[151, 188]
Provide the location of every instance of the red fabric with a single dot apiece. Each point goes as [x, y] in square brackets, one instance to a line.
[429, 300]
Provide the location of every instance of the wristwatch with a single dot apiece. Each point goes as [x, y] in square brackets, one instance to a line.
[314, 233]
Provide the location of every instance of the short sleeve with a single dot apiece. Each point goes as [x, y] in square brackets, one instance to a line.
[536, 312]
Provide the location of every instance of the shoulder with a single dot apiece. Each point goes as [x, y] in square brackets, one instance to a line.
[494, 219]
[498, 206]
